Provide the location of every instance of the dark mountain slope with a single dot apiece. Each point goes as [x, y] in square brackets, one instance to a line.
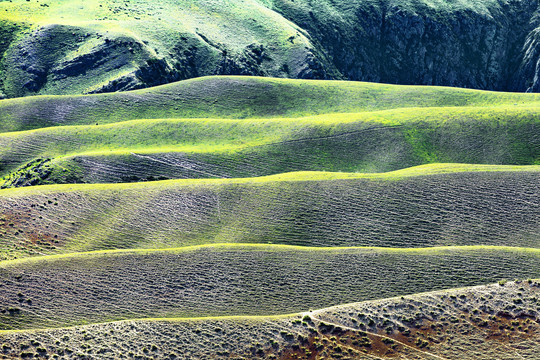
[480, 44]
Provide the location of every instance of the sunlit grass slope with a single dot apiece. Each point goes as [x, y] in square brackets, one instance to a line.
[433, 205]
[361, 128]
[241, 97]
[80, 46]
[236, 280]
[482, 322]
[84, 46]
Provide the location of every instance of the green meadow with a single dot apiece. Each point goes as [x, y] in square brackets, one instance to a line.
[184, 130]
[211, 207]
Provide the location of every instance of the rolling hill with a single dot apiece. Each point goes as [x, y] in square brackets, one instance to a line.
[67, 290]
[482, 322]
[213, 127]
[75, 46]
[187, 220]
[434, 205]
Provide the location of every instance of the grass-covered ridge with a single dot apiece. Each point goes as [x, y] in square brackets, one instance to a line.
[76, 46]
[224, 247]
[101, 46]
[368, 142]
[296, 176]
[432, 205]
[396, 327]
[143, 215]
[236, 280]
[240, 97]
[285, 125]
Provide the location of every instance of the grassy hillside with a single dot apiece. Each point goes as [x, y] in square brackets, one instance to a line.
[236, 280]
[76, 46]
[384, 128]
[146, 217]
[366, 142]
[433, 205]
[72, 47]
[239, 97]
[483, 322]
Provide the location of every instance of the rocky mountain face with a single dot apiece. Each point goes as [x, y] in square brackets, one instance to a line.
[478, 44]
[482, 44]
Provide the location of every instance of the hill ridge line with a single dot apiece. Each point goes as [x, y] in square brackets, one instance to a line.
[267, 247]
[173, 319]
[293, 176]
[268, 79]
[316, 117]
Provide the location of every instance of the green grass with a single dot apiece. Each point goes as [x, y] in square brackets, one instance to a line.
[241, 97]
[238, 280]
[369, 141]
[459, 205]
[296, 195]
[246, 126]
[110, 42]
[298, 176]
[443, 250]
[107, 46]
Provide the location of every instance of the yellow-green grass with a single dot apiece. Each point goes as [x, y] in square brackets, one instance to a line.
[111, 41]
[236, 280]
[296, 176]
[243, 97]
[355, 142]
[433, 205]
[220, 247]
[75, 12]
[402, 320]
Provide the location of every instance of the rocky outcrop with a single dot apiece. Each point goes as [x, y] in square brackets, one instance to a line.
[528, 75]
[484, 45]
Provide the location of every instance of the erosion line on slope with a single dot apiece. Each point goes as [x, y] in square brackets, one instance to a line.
[379, 336]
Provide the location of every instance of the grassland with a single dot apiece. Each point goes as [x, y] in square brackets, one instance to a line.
[192, 129]
[70, 47]
[184, 220]
[76, 46]
[368, 142]
[241, 97]
[222, 280]
[483, 322]
[433, 205]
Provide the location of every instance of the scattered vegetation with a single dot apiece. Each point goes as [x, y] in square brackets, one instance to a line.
[420, 330]
[67, 289]
[460, 205]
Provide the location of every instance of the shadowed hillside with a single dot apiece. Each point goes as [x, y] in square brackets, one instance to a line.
[236, 280]
[152, 210]
[242, 127]
[240, 97]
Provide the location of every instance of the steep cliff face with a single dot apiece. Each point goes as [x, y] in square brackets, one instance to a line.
[528, 75]
[50, 48]
[479, 44]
